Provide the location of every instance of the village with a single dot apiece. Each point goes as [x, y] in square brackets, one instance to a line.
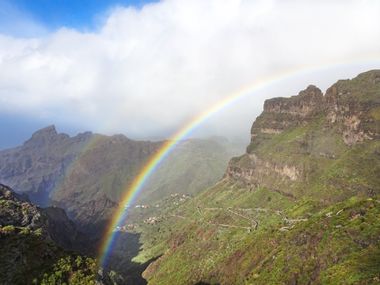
[176, 199]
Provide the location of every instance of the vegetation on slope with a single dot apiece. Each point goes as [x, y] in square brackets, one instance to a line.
[300, 207]
[29, 249]
[292, 241]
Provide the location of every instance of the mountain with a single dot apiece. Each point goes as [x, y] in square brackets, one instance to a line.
[87, 174]
[39, 164]
[36, 244]
[84, 174]
[301, 206]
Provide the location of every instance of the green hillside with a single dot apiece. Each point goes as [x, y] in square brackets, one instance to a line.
[301, 206]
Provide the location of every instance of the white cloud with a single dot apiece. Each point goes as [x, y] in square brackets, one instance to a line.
[147, 71]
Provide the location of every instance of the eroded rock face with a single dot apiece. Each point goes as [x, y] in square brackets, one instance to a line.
[257, 167]
[306, 104]
[352, 110]
[347, 105]
[311, 125]
[283, 113]
[255, 172]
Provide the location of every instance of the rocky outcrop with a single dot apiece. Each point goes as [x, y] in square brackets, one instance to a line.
[42, 246]
[17, 211]
[353, 106]
[283, 113]
[293, 135]
[347, 105]
[45, 137]
[305, 105]
[253, 172]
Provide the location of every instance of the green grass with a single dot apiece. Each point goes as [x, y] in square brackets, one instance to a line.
[326, 248]
[322, 227]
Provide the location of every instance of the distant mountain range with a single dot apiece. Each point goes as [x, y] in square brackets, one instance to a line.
[87, 174]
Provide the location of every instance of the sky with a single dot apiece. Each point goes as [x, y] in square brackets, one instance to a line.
[146, 68]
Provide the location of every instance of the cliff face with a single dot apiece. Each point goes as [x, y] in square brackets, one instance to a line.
[354, 107]
[283, 113]
[349, 105]
[296, 139]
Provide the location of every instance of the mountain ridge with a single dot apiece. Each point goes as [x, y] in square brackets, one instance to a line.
[88, 173]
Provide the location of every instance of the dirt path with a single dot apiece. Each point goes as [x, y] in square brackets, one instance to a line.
[253, 222]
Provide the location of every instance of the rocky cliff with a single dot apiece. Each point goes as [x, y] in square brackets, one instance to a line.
[295, 140]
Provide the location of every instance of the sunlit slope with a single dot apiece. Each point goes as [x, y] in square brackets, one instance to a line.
[302, 206]
[268, 239]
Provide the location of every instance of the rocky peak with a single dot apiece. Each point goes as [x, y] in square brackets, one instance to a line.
[301, 105]
[45, 136]
[48, 131]
[283, 113]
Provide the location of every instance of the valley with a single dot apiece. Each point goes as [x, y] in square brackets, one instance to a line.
[300, 206]
[202, 142]
[87, 174]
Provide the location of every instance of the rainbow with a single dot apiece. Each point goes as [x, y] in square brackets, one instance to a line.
[135, 187]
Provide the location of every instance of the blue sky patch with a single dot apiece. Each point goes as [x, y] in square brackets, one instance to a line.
[37, 17]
